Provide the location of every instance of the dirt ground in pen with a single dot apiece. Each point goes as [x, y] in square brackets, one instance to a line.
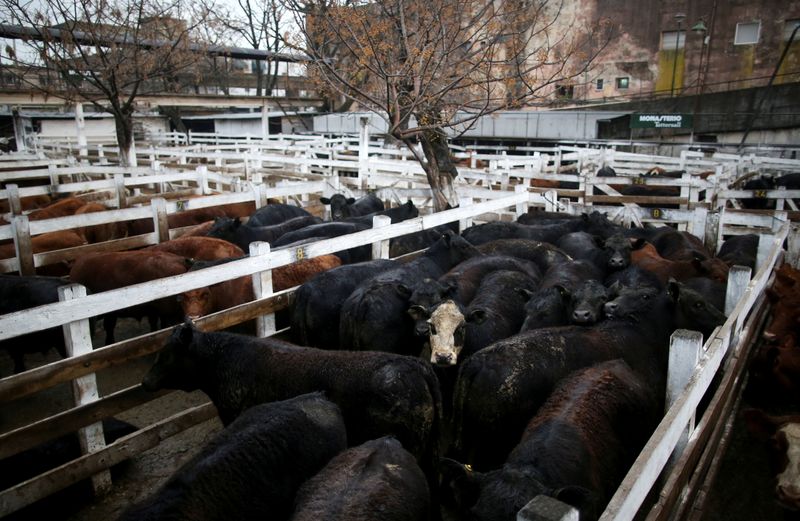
[742, 492]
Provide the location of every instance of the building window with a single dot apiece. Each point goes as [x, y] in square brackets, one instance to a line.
[788, 27]
[747, 33]
[671, 39]
[565, 91]
[622, 83]
[598, 84]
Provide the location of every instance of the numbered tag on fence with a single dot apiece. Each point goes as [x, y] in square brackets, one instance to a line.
[657, 213]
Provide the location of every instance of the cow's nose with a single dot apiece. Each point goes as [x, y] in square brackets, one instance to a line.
[582, 316]
[789, 495]
[610, 308]
[616, 262]
[443, 359]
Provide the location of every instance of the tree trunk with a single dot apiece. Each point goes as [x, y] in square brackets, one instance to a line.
[124, 123]
[259, 77]
[440, 169]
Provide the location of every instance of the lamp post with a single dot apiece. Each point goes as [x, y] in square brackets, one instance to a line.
[679, 18]
[700, 29]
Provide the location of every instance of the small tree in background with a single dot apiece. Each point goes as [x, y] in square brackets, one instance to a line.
[259, 22]
[106, 52]
[433, 66]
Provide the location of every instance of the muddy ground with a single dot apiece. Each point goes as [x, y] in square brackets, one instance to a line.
[742, 492]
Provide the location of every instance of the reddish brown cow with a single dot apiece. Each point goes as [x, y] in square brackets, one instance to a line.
[199, 230]
[647, 258]
[111, 270]
[30, 202]
[48, 242]
[231, 293]
[783, 435]
[60, 208]
[100, 232]
[784, 297]
[240, 210]
[177, 220]
[199, 248]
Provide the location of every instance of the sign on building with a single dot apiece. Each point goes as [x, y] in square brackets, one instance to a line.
[661, 121]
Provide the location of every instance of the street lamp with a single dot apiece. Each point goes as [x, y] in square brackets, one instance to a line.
[679, 17]
[700, 29]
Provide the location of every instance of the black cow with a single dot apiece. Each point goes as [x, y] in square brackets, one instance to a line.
[500, 387]
[418, 240]
[328, 230]
[254, 467]
[397, 214]
[606, 171]
[343, 207]
[457, 331]
[679, 246]
[757, 185]
[571, 275]
[537, 216]
[577, 448]
[491, 231]
[374, 316]
[633, 277]
[378, 393]
[376, 480]
[233, 231]
[544, 254]
[610, 254]
[317, 303]
[18, 293]
[546, 307]
[275, 213]
[741, 250]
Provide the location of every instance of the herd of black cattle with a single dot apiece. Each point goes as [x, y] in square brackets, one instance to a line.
[512, 360]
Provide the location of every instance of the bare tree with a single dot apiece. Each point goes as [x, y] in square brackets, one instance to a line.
[259, 22]
[430, 67]
[106, 52]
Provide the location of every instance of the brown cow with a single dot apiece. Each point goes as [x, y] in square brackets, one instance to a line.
[177, 220]
[111, 270]
[199, 248]
[785, 300]
[60, 208]
[198, 230]
[648, 258]
[48, 242]
[783, 435]
[100, 232]
[30, 202]
[202, 301]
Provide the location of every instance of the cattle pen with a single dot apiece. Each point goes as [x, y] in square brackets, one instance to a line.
[667, 479]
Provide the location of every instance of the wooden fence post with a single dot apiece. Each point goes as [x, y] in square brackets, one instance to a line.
[160, 221]
[546, 508]
[793, 251]
[380, 249]
[78, 341]
[14, 203]
[465, 223]
[764, 247]
[522, 208]
[363, 151]
[738, 279]
[202, 180]
[20, 227]
[698, 223]
[262, 287]
[119, 186]
[684, 352]
[551, 201]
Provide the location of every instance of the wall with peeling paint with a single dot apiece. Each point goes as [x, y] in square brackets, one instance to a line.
[708, 62]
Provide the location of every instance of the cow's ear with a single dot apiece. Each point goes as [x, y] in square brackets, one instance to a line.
[418, 312]
[477, 316]
[325, 200]
[237, 222]
[526, 294]
[579, 497]
[462, 482]
[673, 289]
[351, 200]
[402, 290]
[615, 288]
[638, 244]
[185, 332]
[450, 289]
